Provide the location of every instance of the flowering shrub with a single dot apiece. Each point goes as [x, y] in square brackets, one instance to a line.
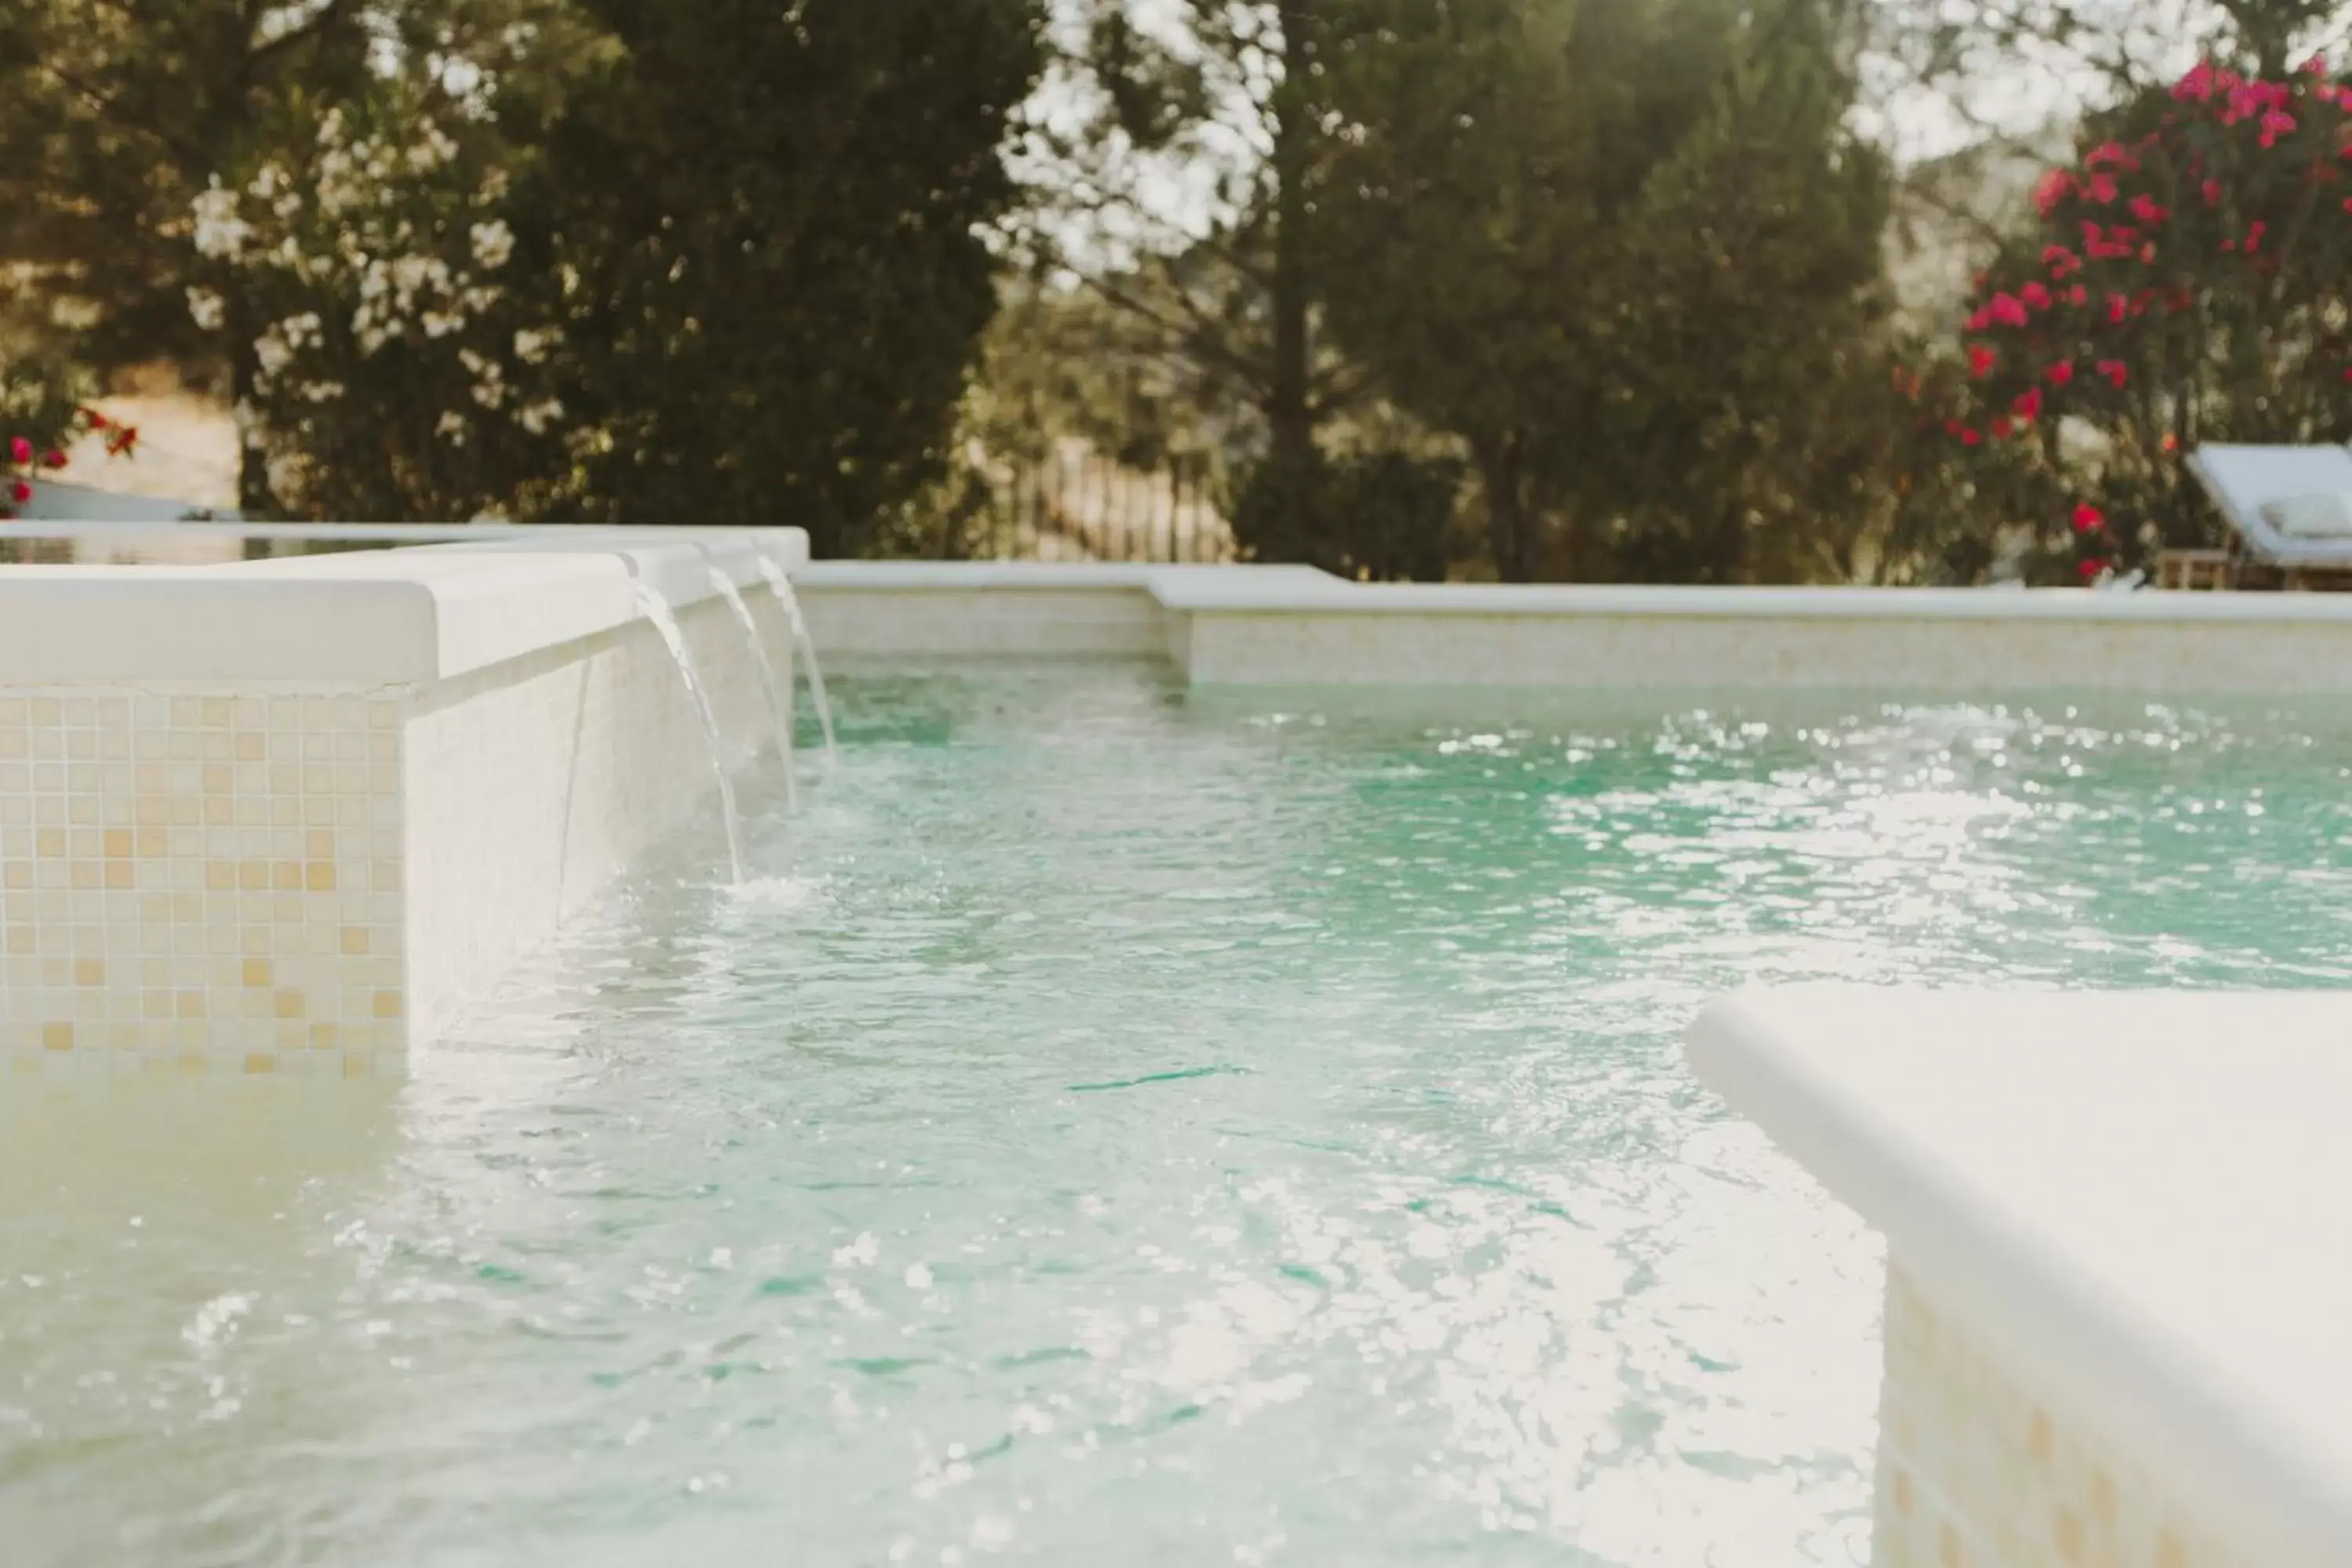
[376, 258]
[2188, 279]
[25, 459]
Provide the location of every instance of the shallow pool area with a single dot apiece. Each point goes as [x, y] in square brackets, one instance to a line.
[1120, 1123]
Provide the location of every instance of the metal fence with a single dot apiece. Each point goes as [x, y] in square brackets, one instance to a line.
[1083, 506]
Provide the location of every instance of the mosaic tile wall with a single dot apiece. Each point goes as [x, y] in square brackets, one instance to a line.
[1975, 1471]
[309, 882]
[540, 780]
[191, 877]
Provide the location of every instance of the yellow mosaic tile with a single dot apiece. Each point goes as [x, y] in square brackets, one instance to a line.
[1976, 1469]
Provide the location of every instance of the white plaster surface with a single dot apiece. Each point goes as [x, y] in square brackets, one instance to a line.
[2136, 1200]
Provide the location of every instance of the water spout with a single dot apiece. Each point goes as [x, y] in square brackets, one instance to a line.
[779, 707]
[657, 609]
[772, 574]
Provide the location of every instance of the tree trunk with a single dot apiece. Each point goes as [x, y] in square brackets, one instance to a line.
[1290, 419]
[1510, 532]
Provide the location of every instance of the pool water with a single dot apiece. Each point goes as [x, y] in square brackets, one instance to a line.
[1116, 1127]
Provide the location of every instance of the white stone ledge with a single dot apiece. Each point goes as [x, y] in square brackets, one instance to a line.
[355, 620]
[2136, 1199]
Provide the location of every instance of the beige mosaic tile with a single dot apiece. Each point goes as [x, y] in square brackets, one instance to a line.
[189, 878]
[1976, 1469]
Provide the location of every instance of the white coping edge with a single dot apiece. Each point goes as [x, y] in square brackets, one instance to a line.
[2277, 1508]
[1305, 590]
[371, 618]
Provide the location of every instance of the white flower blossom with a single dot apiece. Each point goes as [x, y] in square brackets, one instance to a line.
[493, 243]
[206, 308]
[271, 353]
[438, 324]
[531, 347]
[535, 418]
[322, 391]
[220, 233]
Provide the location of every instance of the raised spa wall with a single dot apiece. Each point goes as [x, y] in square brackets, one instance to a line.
[293, 816]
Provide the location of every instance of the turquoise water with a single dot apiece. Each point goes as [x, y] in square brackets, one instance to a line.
[1116, 1128]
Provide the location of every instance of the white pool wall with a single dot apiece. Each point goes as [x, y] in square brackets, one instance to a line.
[1294, 626]
[293, 816]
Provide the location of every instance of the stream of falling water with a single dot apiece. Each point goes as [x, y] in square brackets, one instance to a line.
[657, 610]
[781, 586]
[779, 707]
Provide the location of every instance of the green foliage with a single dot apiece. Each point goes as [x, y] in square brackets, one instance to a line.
[2188, 280]
[1617, 251]
[1381, 516]
[759, 227]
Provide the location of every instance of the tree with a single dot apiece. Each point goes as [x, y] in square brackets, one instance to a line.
[1617, 251]
[2188, 280]
[762, 231]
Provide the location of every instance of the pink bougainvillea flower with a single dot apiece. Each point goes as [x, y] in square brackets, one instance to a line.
[2254, 233]
[2062, 372]
[2145, 209]
[1980, 320]
[2197, 86]
[2117, 307]
[1980, 361]
[2087, 517]
[2212, 191]
[2316, 66]
[2006, 309]
[2100, 187]
[2001, 426]
[2110, 155]
[2028, 404]
[2276, 122]
[2035, 295]
[20, 492]
[2090, 567]
[53, 459]
[2115, 371]
[2077, 295]
[2171, 443]
[2052, 189]
[20, 450]
[2060, 261]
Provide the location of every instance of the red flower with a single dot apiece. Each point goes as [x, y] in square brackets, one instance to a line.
[2144, 208]
[2171, 443]
[20, 491]
[2035, 295]
[2110, 154]
[20, 450]
[2117, 309]
[2316, 66]
[2028, 404]
[2060, 261]
[2001, 426]
[53, 459]
[2088, 518]
[2254, 236]
[2052, 189]
[1980, 361]
[2061, 374]
[2077, 295]
[97, 420]
[1968, 437]
[2197, 86]
[2090, 567]
[2101, 188]
[2005, 309]
[2212, 190]
[2115, 371]
[2276, 122]
[1982, 319]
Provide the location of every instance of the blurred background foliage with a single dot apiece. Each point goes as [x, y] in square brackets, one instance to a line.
[1667, 290]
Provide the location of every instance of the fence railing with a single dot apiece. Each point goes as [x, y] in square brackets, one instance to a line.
[1083, 506]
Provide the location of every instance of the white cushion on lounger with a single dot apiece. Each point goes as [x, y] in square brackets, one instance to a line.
[2325, 516]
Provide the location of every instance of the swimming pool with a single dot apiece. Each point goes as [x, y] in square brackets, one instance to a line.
[1122, 1125]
